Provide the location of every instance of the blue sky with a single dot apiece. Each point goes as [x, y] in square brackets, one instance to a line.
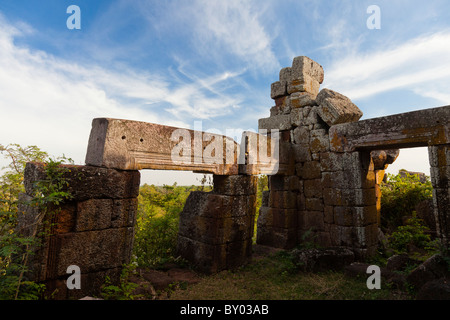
[176, 62]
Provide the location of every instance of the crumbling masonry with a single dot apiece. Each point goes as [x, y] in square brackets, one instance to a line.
[324, 188]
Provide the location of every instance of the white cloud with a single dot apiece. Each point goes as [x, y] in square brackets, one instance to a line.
[234, 26]
[416, 65]
[415, 159]
[50, 102]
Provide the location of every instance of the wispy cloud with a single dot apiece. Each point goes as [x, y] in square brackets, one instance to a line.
[416, 65]
[48, 101]
[228, 31]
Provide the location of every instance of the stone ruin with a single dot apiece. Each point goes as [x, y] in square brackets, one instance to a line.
[324, 166]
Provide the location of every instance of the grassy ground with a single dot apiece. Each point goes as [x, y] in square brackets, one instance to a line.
[274, 277]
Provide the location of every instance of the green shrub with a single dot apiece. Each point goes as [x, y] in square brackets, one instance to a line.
[122, 291]
[15, 249]
[410, 237]
[157, 223]
[400, 196]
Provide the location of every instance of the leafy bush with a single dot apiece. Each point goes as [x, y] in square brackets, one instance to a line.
[122, 291]
[400, 196]
[16, 249]
[157, 223]
[411, 237]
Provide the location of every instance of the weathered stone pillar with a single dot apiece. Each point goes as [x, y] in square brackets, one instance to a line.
[439, 157]
[94, 230]
[350, 202]
[216, 228]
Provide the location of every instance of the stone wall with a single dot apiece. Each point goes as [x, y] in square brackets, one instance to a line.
[332, 164]
[439, 156]
[326, 189]
[323, 196]
[94, 230]
[216, 228]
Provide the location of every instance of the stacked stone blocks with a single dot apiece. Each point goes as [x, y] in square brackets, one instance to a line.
[94, 230]
[326, 195]
[439, 157]
[216, 228]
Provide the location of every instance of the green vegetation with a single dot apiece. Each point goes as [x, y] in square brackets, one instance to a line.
[157, 223]
[15, 249]
[406, 233]
[270, 277]
[400, 196]
[275, 277]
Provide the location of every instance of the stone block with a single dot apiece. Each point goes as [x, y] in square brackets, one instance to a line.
[94, 214]
[280, 122]
[302, 66]
[439, 155]
[342, 235]
[285, 218]
[349, 197]
[274, 111]
[328, 214]
[311, 220]
[331, 161]
[302, 98]
[284, 238]
[110, 248]
[366, 236]
[313, 188]
[265, 198]
[344, 216]
[88, 182]
[285, 153]
[283, 183]
[310, 170]
[293, 183]
[136, 145]
[319, 141]
[360, 178]
[301, 201]
[207, 204]
[301, 135]
[265, 217]
[440, 176]
[382, 158]
[283, 199]
[405, 130]
[217, 231]
[335, 108]
[276, 183]
[363, 216]
[285, 74]
[333, 180]
[124, 213]
[238, 254]
[301, 152]
[311, 116]
[203, 257]
[264, 235]
[235, 185]
[65, 218]
[278, 89]
[314, 204]
[304, 84]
